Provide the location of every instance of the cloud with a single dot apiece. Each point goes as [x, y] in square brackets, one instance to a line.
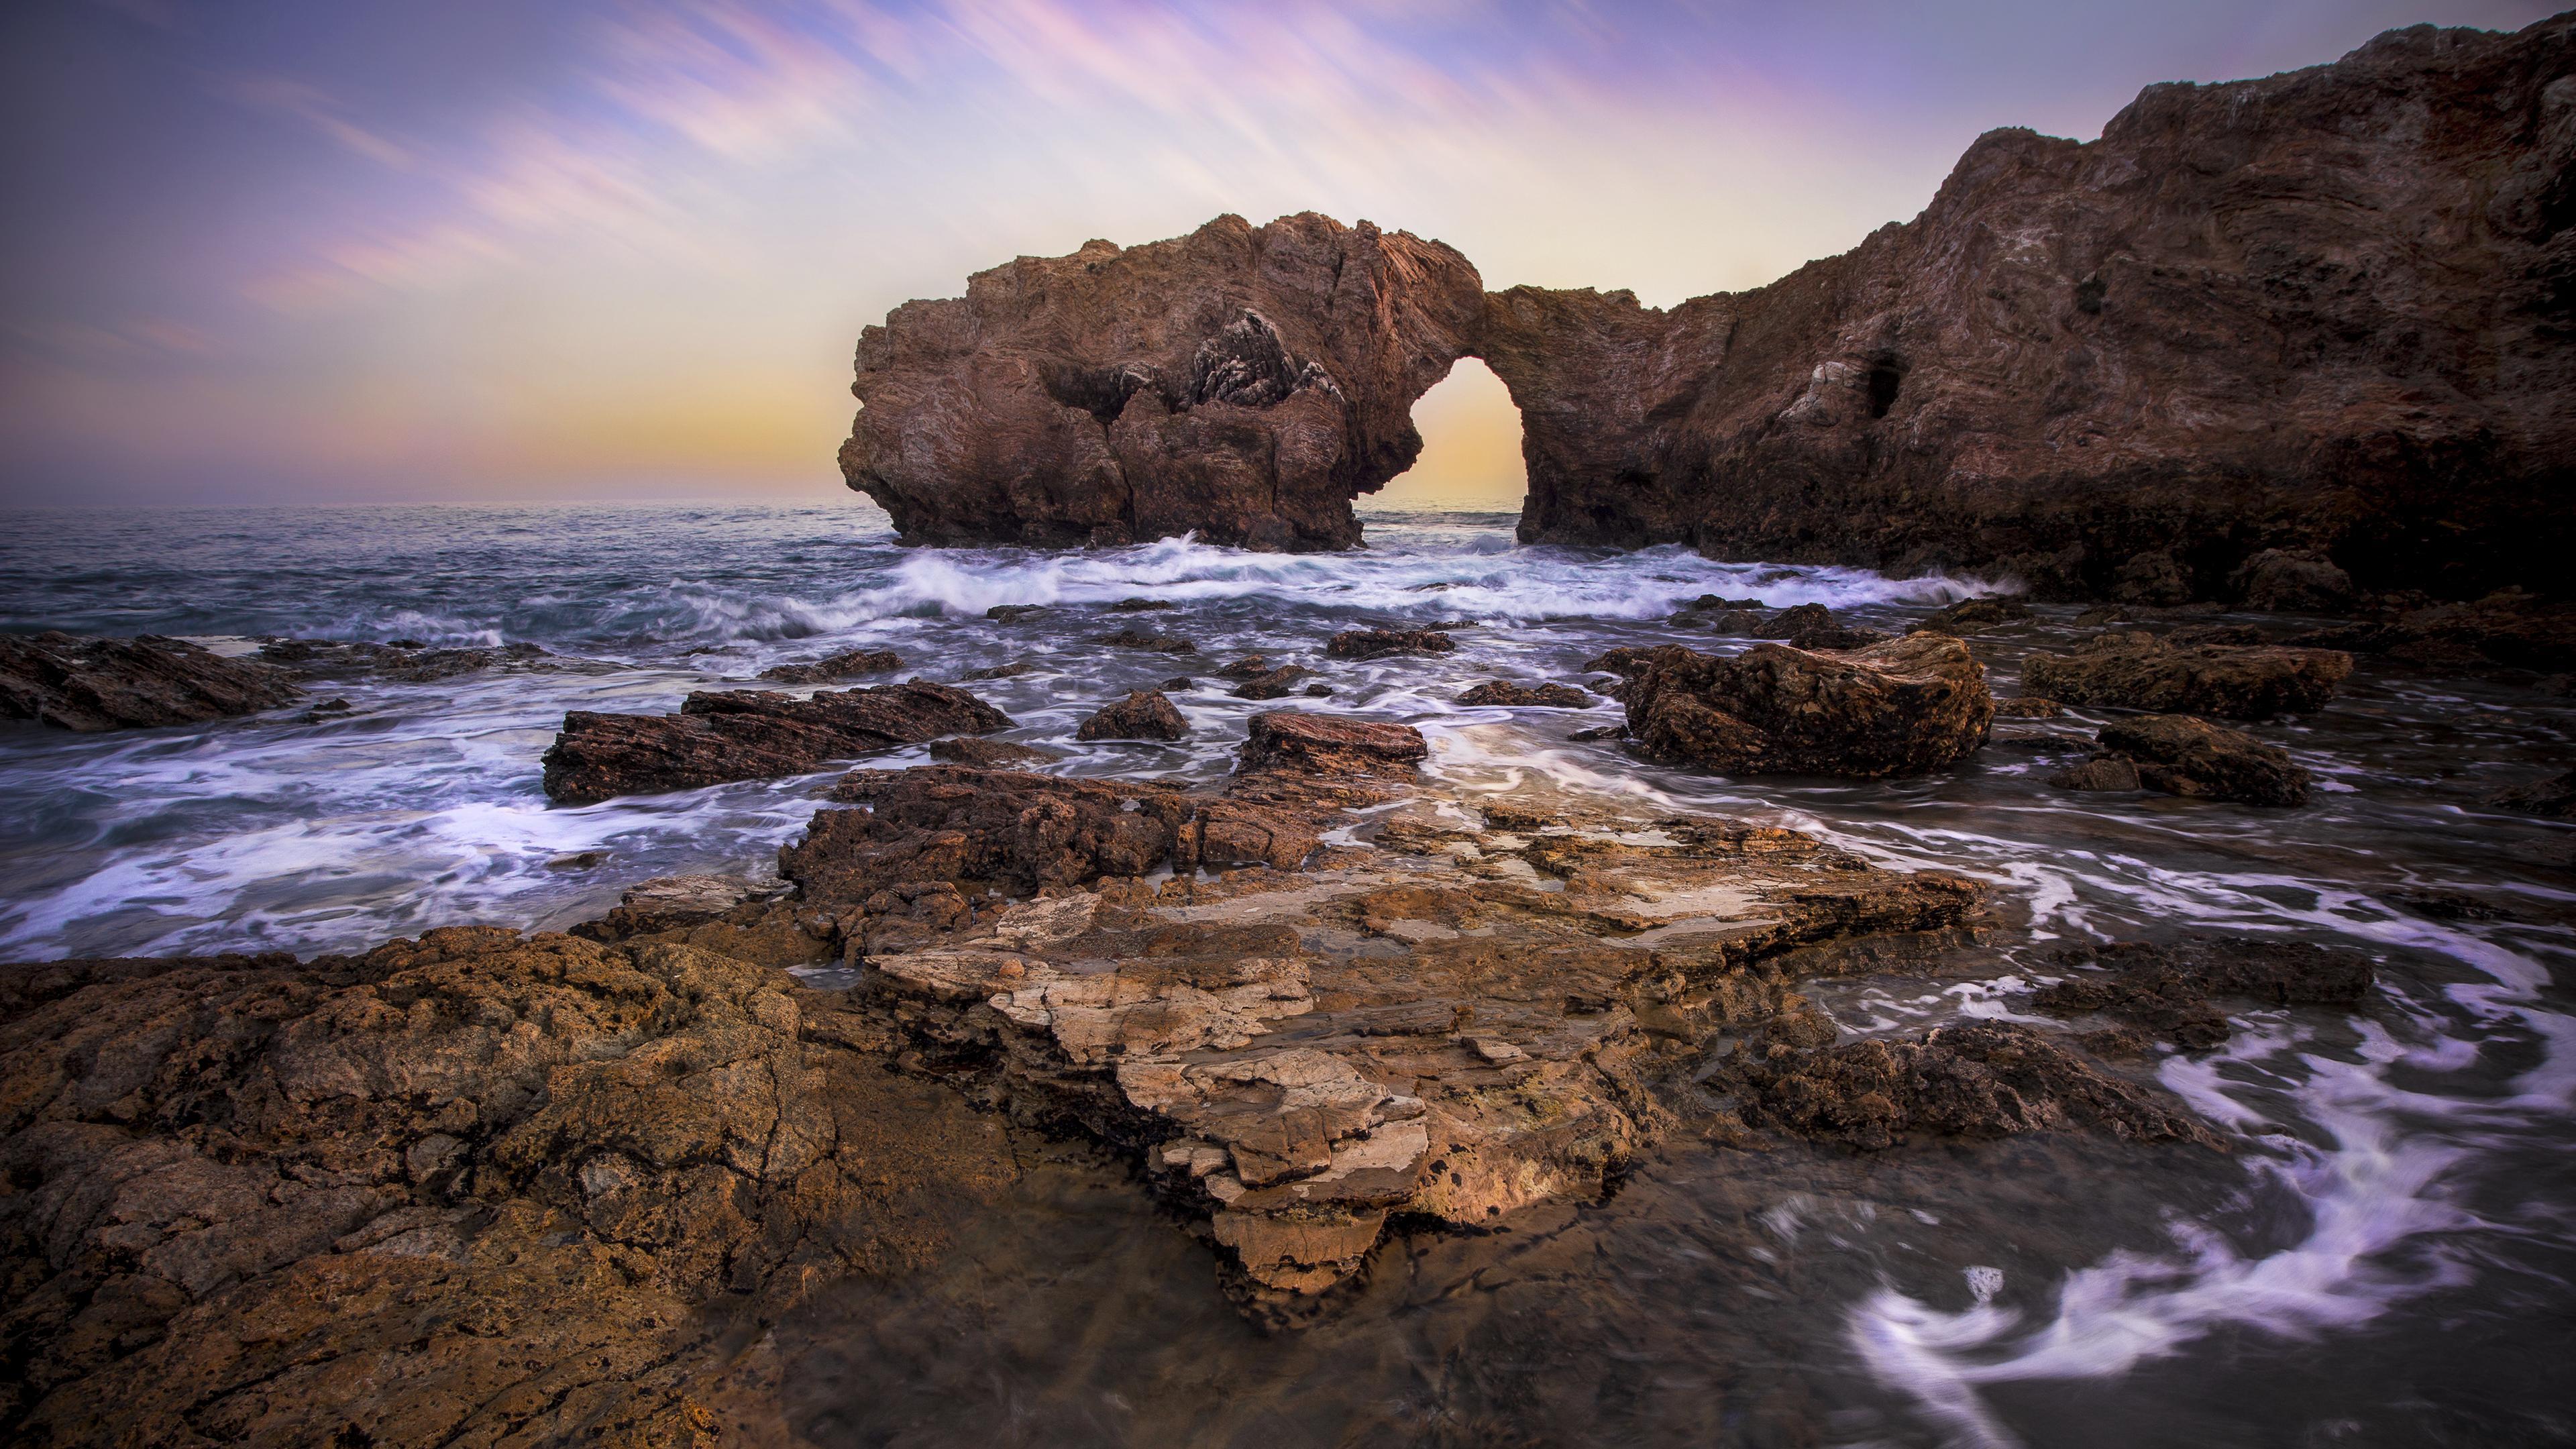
[315, 107]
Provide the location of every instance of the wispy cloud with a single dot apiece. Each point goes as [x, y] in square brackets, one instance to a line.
[316, 108]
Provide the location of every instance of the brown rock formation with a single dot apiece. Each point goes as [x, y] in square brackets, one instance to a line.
[1143, 715]
[2329, 310]
[75, 682]
[1515, 695]
[2166, 989]
[2191, 757]
[845, 665]
[750, 734]
[2132, 669]
[1901, 707]
[1379, 643]
[1241, 382]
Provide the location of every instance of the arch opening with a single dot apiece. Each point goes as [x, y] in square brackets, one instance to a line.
[1471, 450]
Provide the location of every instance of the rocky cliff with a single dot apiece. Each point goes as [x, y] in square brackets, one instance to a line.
[2331, 309]
[1244, 382]
[2327, 312]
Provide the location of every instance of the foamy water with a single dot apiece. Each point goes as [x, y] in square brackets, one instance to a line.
[2396, 1178]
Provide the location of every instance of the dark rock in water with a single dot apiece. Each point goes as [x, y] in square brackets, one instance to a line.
[1243, 383]
[1012, 670]
[2184, 756]
[989, 754]
[2554, 797]
[1988, 386]
[2445, 905]
[1179, 682]
[1143, 715]
[79, 682]
[1973, 1079]
[1903, 707]
[2101, 774]
[1147, 639]
[1738, 622]
[579, 860]
[2291, 581]
[2166, 989]
[1812, 626]
[946, 822]
[2508, 629]
[1319, 691]
[1712, 601]
[750, 735]
[1273, 683]
[2136, 670]
[1331, 745]
[1378, 643]
[1250, 666]
[1011, 613]
[2028, 706]
[1515, 695]
[673, 901]
[839, 666]
[1600, 732]
[1969, 615]
[1140, 606]
[406, 660]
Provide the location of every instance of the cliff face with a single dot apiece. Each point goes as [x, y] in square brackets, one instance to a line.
[2331, 309]
[1244, 382]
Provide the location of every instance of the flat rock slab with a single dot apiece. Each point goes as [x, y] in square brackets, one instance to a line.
[84, 683]
[750, 735]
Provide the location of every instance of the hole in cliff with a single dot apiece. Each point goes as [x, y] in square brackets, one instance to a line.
[1885, 378]
[1471, 449]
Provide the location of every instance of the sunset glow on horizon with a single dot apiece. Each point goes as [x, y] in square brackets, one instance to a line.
[301, 252]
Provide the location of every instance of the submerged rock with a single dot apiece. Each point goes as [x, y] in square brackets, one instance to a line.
[2508, 629]
[2167, 989]
[406, 660]
[1902, 707]
[2184, 756]
[1146, 639]
[2554, 797]
[1143, 715]
[989, 754]
[1272, 683]
[846, 665]
[84, 683]
[2135, 670]
[1970, 615]
[1515, 695]
[1379, 643]
[750, 735]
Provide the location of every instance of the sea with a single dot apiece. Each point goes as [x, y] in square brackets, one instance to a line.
[2381, 1256]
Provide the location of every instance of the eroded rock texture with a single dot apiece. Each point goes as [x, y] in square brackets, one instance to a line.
[750, 734]
[1241, 382]
[79, 682]
[1897, 708]
[2329, 310]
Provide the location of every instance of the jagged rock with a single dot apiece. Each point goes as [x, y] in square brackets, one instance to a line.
[1973, 1079]
[2166, 989]
[2130, 363]
[1813, 626]
[1969, 615]
[1330, 746]
[465, 1189]
[847, 665]
[2291, 581]
[948, 822]
[2184, 756]
[1143, 715]
[1273, 683]
[1140, 606]
[1902, 707]
[2102, 774]
[2554, 797]
[989, 754]
[2028, 706]
[1012, 670]
[2509, 628]
[2135, 670]
[1515, 695]
[750, 735]
[1378, 643]
[408, 660]
[78, 682]
[1250, 666]
[1241, 383]
[1146, 639]
[1013, 613]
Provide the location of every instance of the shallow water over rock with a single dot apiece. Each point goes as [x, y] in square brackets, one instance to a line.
[2382, 1255]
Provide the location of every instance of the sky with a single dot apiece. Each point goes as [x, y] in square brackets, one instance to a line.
[342, 251]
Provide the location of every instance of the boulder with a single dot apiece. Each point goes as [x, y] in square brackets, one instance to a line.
[2291, 581]
[1273, 683]
[1970, 615]
[2028, 706]
[846, 665]
[2102, 774]
[2132, 669]
[1902, 707]
[78, 682]
[1378, 643]
[1143, 715]
[1330, 746]
[1514, 695]
[750, 735]
[989, 754]
[1146, 639]
[2184, 756]
[1241, 383]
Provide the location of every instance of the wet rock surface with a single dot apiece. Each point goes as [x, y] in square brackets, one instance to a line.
[2509, 629]
[1133, 637]
[2194, 758]
[407, 662]
[750, 735]
[847, 665]
[1900, 707]
[1143, 715]
[88, 683]
[2132, 669]
[2554, 797]
[1516, 695]
[2168, 990]
[989, 754]
[1379, 643]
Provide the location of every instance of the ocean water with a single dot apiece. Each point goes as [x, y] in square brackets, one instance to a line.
[2382, 1257]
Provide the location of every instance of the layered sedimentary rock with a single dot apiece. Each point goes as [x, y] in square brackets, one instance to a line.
[1897, 708]
[2330, 310]
[750, 734]
[78, 682]
[1243, 383]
